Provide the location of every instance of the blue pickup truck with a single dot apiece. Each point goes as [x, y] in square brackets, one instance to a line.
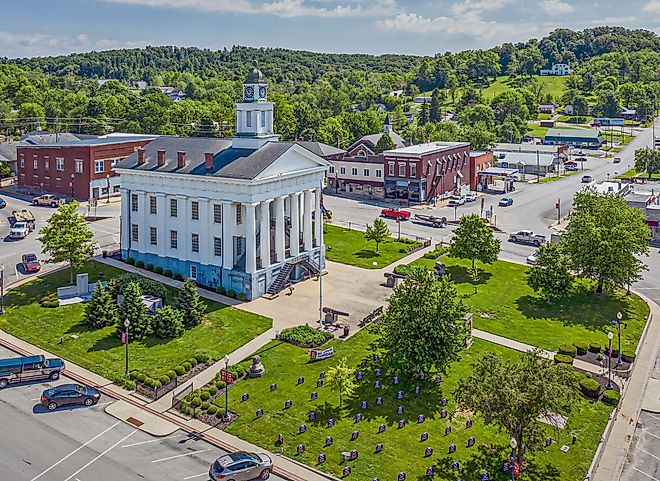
[29, 368]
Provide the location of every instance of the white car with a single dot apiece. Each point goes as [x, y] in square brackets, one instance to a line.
[470, 197]
[456, 200]
[19, 230]
[531, 259]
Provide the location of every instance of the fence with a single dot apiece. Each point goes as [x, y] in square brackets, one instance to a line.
[155, 393]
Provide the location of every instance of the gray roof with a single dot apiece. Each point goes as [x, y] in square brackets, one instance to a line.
[529, 158]
[95, 141]
[374, 138]
[8, 149]
[320, 149]
[573, 133]
[508, 147]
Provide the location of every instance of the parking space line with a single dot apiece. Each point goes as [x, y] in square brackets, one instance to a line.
[645, 474]
[654, 417]
[103, 454]
[152, 441]
[178, 456]
[650, 433]
[76, 450]
[104, 403]
[196, 476]
[652, 455]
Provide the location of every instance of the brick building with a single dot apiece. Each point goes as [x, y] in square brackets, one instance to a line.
[80, 169]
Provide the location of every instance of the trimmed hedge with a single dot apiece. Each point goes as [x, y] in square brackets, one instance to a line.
[149, 267]
[139, 264]
[563, 359]
[305, 336]
[582, 347]
[179, 370]
[50, 300]
[568, 349]
[611, 397]
[590, 387]
[220, 384]
[167, 273]
[187, 366]
[437, 252]
[220, 290]
[593, 347]
[213, 390]
[212, 409]
[628, 357]
[158, 270]
[231, 294]
[130, 261]
[196, 402]
[205, 395]
[172, 374]
[240, 297]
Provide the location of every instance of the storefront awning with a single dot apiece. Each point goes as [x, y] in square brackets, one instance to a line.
[414, 187]
[499, 172]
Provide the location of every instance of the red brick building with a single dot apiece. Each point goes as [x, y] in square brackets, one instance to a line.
[80, 169]
[480, 161]
[422, 172]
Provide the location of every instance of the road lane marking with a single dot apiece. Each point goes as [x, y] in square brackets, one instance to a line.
[76, 450]
[652, 455]
[196, 476]
[102, 454]
[645, 474]
[178, 456]
[152, 441]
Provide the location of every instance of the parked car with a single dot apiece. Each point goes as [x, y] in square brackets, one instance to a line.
[31, 263]
[505, 202]
[22, 223]
[571, 168]
[533, 258]
[528, 237]
[470, 197]
[456, 200]
[617, 160]
[65, 394]
[19, 230]
[397, 214]
[581, 159]
[241, 466]
[3, 204]
[586, 179]
[48, 199]
[29, 368]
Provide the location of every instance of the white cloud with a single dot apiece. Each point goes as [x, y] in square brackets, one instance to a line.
[652, 6]
[478, 6]
[556, 7]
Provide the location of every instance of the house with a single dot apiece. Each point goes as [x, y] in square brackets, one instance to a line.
[422, 99]
[175, 94]
[559, 69]
[649, 203]
[528, 162]
[480, 161]
[547, 123]
[427, 172]
[396, 93]
[140, 85]
[559, 151]
[236, 212]
[547, 108]
[81, 169]
[582, 138]
[629, 114]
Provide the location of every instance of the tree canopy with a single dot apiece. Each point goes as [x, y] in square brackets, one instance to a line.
[474, 240]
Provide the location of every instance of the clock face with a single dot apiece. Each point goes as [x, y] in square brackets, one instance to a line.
[262, 92]
[248, 93]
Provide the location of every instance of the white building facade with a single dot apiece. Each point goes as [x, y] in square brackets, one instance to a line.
[559, 69]
[237, 214]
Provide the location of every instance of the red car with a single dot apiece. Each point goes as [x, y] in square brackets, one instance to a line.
[31, 263]
[395, 214]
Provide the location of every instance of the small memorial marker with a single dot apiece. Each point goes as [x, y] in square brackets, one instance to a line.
[548, 441]
[259, 413]
[359, 376]
[321, 374]
[402, 423]
[399, 394]
[470, 442]
[376, 358]
[300, 448]
[485, 476]
[454, 466]
[447, 430]
[329, 440]
[314, 396]
[443, 413]
[364, 405]
[399, 410]
[401, 477]
[421, 418]
[354, 435]
[321, 458]
[358, 417]
[302, 429]
[311, 416]
[421, 376]
[331, 422]
[301, 380]
[468, 423]
[280, 438]
[428, 451]
[381, 428]
[288, 403]
[444, 401]
[346, 471]
[379, 372]
[416, 390]
[273, 387]
[379, 401]
[438, 378]
[245, 397]
[506, 466]
[363, 363]
[395, 380]
[379, 447]
[424, 436]
[430, 471]
[376, 384]
[564, 449]
[452, 448]
[354, 454]
[319, 383]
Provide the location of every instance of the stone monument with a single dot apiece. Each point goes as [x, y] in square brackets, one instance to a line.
[257, 369]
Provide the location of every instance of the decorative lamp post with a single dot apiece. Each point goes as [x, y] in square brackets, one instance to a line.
[618, 332]
[107, 184]
[126, 324]
[226, 359]
[609, 361]
[72, 177]
[2, 288]
[514, 444]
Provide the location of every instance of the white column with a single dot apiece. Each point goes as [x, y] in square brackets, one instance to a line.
[204, 232]
[183, 226]
[141, 221]
[307, 220]
[163, 235]
[125, 215]
[294, 234]
[250, 239]
[228, 227]
[318, 218]
[265, 234]
[280, 251]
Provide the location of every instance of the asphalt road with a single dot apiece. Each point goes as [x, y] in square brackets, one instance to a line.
[86, 444]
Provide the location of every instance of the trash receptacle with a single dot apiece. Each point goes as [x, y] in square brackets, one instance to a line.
[105, 254]
[346, 331]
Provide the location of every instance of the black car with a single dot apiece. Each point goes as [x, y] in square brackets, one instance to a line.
[69, 394]
[3, 204]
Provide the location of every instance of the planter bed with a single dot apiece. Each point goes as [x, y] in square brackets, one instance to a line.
[156, 393]
[590, 357]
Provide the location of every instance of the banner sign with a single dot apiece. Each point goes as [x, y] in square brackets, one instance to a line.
[316, 355]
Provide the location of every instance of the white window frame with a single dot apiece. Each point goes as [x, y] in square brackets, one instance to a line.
[153, 236]
[174, 239]
[59, 164]
[153, 205]
[194, 210]
[263, 118]
[390, 169]
[217, 213]
[194, 242]
[135, 233]
[35, 164]
[174, 207]
[379, 173]
[413, 171]
[239, 214]
[342, 170]
[402, 169]
[78, 166]
[134, 202]
[99, 163]
[248, 118]
[217, 246]
[193, 272]
[366, 172]
[332, 169]
[354, 171]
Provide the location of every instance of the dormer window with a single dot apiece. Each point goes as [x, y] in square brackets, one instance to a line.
[248, 119]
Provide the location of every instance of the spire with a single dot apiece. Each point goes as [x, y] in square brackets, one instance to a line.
[387, 126]
[255, 76]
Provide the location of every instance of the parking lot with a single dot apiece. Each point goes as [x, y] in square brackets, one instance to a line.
[643, 463]
[79, 443]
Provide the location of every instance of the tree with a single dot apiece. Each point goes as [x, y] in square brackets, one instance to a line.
[477, 115]
[133, 309]
[436, 100]
[377, 232]
[647, 160]
[384, 143]
[423, 116]
[512, 394]
[101, 310]
[604, 239]
[190, 304]
[479, 137]
[5, 171]
[474, 240]
[341, 378]
[550, 276]
[67, 238]
[168, 323]
[423, 326]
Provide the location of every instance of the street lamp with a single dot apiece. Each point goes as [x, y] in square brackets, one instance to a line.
[126, 324]
[72, 177]
[226, 360]
[107, 183]
[2, 288]
[618, 332]
[514, 444]
[609, 361]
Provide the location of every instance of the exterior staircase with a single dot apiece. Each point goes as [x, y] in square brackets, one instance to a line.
[282, 279]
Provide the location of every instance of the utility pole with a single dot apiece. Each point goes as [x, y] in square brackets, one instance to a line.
[57, 128]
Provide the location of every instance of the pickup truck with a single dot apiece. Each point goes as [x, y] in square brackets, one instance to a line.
[29, 368]
[48, 199]
[527, 237]
[395, 214]
[22, 223]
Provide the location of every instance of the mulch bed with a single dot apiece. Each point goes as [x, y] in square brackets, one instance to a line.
[591, 357]
[602, 380]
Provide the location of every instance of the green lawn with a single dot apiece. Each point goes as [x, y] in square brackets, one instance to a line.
[505, 305]
[553, 177]
[536, 130]
[403, 450]
[61, 330]
[572, 119]
[632, 173]
[554, 86]
[350, 247]
[541, 116]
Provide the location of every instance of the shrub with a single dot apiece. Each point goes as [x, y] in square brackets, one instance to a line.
[581, 347]
[593, 347]
[611, 397]
[50, 301]
[240, 297]
[628, 357]
[164, 379]
[212, 409]
[139, 264]
[220, 290]
[157, 384]
[220, 384]
[178, 277]
[231, 294]
[203, 358]
[213, 390]
[167, 273]
[128, 384]
[589, 375]
[563, 358]
[134, 374]
[220, 414]
[158, 270]
[402, 269]
[196, 402]
[168, 322]
[568, 349]
[590, 387]
[130, 261]
[205, 395]
[187, 366]
[304, 336]
[437, 252]
[205, 406]
[142, 377]
[171, 374]
[193, 361]
[149, 267]
[189, 302]
[599, 357]
[179, 370]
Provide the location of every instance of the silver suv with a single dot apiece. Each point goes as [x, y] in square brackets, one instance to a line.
[241, 466]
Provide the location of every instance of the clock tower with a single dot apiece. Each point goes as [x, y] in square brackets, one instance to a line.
[254, 115]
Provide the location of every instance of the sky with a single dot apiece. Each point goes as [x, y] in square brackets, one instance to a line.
[422, 27]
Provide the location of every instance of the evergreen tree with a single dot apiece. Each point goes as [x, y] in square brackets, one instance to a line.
[550, 276]
[133, 309]
[423, 115]
[190, 304]
[101, 310]
[377, 232]
[168, 323]
[436, 100]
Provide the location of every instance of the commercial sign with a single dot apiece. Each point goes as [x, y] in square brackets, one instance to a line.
[226, 376]
[317, 355]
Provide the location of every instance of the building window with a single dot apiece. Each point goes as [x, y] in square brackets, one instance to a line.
[99, 166]
[153, 209]
[217, 213]
[115, 189]
[193, 272]
[195, 242]
[263, 119]
[390, 168]
[366, 172]
[22, 163]
[342, 170]
[59, 164]
[153, 236]
[413, 170]
[354, 171]
[46, 164]
[332, 169]
[35, 164]
[174, 239]
[238, 246]
[114, 162]
[194, 210]
[174, 208]
[239, 214]
[134, 202]
[402, 169]
[134, 232]
[217, 246]
[248, 119]
[379, 173]
[78, 166]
